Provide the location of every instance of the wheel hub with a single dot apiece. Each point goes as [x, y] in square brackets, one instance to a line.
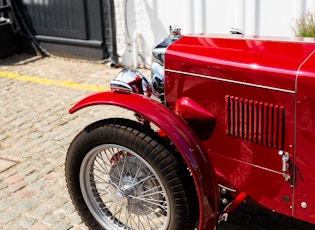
[128, 187]
[119, 198]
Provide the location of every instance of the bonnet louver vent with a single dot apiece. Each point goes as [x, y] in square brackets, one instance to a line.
[254, 121]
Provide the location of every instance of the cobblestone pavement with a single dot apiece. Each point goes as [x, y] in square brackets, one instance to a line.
[36, 130]
[35, 133]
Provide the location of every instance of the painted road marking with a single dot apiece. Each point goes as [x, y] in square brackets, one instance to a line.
[46, 81]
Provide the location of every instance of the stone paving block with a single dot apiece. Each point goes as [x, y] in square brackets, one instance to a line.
[38, 141]
[26, 205]
[18, 122]
[37, 153]
[5, 203]
[22, 194]
[39, 212]
[10, 141]
[50, 167]
[32, 177]
[37, 185]
[12, 225]
[14, 178]
[76, 227]
[54, 219]
[44, 194]
[53, 155]
[24, 148]
[57, 200]
[63, 226]
[8, 216]
[26, 222]
[16, 186]
[3, 185]
[27, 169]
[2, 137]
[68, 207]
[6, 174]
[46, 128]
[6, 164]
[39, 226]
[75, 219]
[34, 135]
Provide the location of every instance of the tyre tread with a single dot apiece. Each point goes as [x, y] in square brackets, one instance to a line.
[159, 152]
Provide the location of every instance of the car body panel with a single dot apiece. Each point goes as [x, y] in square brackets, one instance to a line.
[250, 86]
[304, 203]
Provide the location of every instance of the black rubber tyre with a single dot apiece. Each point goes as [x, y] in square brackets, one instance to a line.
[121, 175]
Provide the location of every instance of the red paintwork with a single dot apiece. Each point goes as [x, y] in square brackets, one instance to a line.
[187, 109]
[179, 133]
[259, 95]
[201, 121]
[305, 142]
[272, 77]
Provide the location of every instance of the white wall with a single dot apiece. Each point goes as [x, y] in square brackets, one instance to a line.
[145, 23]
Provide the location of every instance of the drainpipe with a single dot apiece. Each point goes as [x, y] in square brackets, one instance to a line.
[190, 18]
[240, 18]
[135, 43]
[300, 8]
[199, 16]
[252, 17]
[112, 33]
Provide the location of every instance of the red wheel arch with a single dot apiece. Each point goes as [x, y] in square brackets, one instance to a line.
[183, 138]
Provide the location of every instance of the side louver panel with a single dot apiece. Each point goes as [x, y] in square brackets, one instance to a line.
[254, 121]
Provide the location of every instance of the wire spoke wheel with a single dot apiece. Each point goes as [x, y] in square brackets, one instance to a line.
[122, 175]
[121, 186]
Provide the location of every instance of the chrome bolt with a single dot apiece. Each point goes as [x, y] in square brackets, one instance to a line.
[225, 201]
[303, 205]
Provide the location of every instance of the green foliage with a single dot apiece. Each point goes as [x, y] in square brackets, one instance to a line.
[305, 25]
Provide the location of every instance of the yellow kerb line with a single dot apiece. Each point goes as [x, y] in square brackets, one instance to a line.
[46, 81]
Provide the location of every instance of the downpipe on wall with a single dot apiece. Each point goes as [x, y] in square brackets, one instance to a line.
[137, 42]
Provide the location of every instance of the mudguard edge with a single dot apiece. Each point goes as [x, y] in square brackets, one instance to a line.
[183, 138]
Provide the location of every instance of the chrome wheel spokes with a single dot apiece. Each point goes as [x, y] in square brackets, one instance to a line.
[122, 190]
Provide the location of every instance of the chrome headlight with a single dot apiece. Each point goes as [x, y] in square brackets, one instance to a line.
[131, 80]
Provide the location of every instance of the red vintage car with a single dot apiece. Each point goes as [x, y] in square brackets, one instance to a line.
[234, 119]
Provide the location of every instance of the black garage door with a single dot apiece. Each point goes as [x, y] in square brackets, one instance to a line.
[78, 28]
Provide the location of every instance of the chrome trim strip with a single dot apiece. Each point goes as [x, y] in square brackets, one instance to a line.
[231, 81]
[247, 163]
[227, 188]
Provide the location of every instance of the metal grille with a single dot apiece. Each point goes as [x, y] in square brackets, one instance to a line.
[254, 121]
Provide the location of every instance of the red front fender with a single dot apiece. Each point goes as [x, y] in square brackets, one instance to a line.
[182, 137]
